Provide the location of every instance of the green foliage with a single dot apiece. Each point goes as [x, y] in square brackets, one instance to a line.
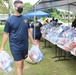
[56, 13]
[1, 2]
[3, 8]
[53, 12]
[27, 6]
[48, 10]
[12, 10]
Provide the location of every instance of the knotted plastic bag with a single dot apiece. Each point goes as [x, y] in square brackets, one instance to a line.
[6, 63]
[35, 54]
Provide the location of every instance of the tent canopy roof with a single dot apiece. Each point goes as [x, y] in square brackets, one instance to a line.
[68, 5]
[37, 14]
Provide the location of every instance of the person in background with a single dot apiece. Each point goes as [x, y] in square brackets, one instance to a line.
[47, 21]
[74, 23]
[36, 31]
[52, 19]
[44, 22]
[17, 29]
[56, 22]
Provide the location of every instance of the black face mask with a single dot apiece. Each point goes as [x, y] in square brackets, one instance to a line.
[20, 9]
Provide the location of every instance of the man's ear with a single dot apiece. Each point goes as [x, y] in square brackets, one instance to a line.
[15, 7]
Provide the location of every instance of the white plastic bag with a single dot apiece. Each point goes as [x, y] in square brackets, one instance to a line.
[28, 59]
[35, 54]
[6, 62]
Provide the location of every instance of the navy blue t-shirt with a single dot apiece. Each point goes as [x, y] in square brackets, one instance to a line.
[17, 27]
[37, 25]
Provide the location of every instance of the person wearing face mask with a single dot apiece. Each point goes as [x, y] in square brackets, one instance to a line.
[17, 28]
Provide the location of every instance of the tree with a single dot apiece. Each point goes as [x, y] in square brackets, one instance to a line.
[1, 2]
[27, 6]
[9, 2]
[3, 8]
[53, 12]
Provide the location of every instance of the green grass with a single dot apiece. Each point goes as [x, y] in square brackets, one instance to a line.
[46, 67]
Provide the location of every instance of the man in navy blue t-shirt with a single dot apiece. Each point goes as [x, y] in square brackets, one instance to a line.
[17, 29]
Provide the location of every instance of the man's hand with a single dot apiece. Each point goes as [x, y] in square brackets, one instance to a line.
[34, 42]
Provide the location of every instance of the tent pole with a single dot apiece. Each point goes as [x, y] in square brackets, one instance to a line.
[68, 14]
[34, 21]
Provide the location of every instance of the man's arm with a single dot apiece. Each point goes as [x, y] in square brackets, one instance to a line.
[30, 35]
[5, 37]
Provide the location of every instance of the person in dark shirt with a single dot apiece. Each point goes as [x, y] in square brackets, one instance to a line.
[56, 22]
[52, 19]
[74, 23]
[36, 32]
[17, 29]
